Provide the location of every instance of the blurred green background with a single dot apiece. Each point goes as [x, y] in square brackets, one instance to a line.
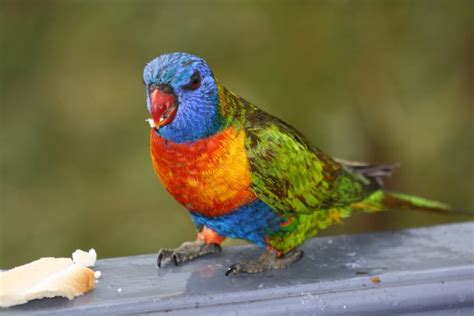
[379, 81]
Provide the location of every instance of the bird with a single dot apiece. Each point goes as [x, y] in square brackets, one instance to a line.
[245, 174]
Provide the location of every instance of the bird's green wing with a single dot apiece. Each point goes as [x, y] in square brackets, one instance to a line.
[292, 176]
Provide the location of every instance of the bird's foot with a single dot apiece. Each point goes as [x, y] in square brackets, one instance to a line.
[187, 251]
[268, 260]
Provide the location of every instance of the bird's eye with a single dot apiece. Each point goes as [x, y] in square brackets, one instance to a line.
[194, 82]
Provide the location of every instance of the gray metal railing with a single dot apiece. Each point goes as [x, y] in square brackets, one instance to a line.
[417, 271]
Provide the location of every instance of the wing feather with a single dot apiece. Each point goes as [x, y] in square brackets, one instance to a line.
[292, 176]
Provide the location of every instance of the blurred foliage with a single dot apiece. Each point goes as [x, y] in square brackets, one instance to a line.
[381, 81]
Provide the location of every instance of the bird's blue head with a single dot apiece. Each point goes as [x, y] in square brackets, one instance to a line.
[182, 97]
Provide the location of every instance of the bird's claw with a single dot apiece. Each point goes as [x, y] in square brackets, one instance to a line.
[172, 255]
[187, 251]
[251, 266]
[163, 254]
[268, 260]
[175, 259]
[234, 269]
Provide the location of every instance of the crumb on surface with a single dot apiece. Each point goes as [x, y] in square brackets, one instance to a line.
[375, 280]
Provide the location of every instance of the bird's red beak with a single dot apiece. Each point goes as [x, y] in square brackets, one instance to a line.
[163, 107]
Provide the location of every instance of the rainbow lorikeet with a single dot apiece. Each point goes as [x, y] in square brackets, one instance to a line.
[243, 173]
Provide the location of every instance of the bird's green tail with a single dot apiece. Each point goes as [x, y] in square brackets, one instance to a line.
[400, 200]
[383, 200]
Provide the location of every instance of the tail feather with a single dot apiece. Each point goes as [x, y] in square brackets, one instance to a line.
[375, 173]
[399, 200]
[382, 200]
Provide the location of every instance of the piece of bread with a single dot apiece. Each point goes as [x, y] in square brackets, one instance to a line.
[45, 277]
[86, 259]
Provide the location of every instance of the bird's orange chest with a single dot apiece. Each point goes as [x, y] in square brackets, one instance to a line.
[210, 176]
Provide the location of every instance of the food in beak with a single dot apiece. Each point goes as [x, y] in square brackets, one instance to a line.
[151, 122]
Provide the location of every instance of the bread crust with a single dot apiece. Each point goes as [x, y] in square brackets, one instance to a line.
[45, 277]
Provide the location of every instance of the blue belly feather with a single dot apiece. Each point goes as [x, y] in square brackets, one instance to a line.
[253, 222]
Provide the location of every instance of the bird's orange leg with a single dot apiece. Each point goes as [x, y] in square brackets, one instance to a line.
[209, 236]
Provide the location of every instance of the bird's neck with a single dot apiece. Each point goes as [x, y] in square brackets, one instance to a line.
[196, 119]
[195, 123]
[232, 108]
